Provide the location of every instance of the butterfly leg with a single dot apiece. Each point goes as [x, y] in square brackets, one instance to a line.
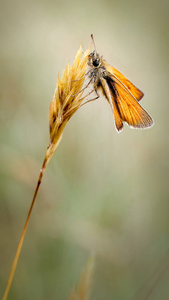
[93, 98]
[82, 76]
[83, 88]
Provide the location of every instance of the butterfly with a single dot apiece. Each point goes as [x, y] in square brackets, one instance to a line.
[121, 94]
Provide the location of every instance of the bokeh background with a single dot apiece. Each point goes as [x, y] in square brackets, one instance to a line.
[103, 192]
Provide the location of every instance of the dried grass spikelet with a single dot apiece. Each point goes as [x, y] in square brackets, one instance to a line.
[84, 286]
[67, 99]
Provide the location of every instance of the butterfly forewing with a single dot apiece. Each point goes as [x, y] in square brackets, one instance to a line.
[129, 86]
[130, 110]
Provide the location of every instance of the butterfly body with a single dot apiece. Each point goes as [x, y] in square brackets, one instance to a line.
[121, 94]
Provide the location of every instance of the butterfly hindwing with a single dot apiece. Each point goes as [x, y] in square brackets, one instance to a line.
[108, 94]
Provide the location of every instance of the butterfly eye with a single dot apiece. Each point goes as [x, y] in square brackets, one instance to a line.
[96, 62]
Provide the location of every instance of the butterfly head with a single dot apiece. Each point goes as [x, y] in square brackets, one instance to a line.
[94, 60]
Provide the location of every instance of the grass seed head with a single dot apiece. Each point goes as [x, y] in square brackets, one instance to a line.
[68, 95]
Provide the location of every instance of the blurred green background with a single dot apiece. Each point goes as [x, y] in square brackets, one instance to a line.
[103, 191]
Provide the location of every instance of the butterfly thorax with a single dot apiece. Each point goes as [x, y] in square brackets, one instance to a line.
[97, 70]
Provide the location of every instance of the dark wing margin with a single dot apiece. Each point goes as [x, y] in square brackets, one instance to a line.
[110, 95]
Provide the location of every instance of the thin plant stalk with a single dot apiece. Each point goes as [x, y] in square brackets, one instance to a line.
[18, 251]
[48, 156]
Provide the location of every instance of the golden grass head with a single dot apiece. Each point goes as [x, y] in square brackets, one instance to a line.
[68, 95]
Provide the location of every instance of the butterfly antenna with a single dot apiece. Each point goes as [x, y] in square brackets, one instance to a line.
[93, 42]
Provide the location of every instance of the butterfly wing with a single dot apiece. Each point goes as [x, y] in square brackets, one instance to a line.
[129, 86]
[125, 107]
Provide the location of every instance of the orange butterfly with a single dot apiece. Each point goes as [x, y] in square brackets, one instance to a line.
[121, 94]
